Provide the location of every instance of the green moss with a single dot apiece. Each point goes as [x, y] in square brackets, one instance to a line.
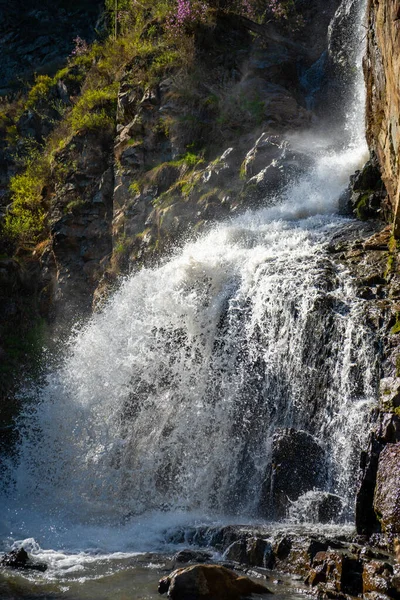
[189, 160]
[390, 266]
[361, 207]
[74, 205]
[396, 327]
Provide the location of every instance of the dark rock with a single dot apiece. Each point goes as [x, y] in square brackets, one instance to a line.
[369, 177]
[389, 428]
[251, 551]
[19, 559]
[366, 520]
[297, 466]
[387, 491]
[185, 556]
[317, 507]
[378, 577]
[208, 582]
[297, 554]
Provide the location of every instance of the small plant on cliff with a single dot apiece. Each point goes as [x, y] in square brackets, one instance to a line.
[95, 109]
[187, 15]
[81, 47]
[25, 220]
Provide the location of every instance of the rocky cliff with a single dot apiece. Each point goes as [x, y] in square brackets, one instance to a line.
[382, 74]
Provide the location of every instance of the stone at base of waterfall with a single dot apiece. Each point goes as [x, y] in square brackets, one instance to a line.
[188, 555]
[317, 506]
[208, 582]
[19, 559]
[387, 491]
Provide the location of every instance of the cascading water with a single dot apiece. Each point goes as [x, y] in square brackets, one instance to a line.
[169, 399]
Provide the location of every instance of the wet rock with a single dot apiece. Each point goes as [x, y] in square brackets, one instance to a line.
[252, 551]
[296, 554]
[366, 194]
[339, 572]
[185, 556]
[366, 519]
[389, 392]
[208, 582]
[269, 164]
[387, 491]
[19, 559]
[317, 507]
[297, 466]
[378, 577]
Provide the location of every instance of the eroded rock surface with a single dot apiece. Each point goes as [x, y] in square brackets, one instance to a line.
[208, 582]
[382, 74]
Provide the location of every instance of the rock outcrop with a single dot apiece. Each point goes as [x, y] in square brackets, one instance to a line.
[382, 74]
[297, 466]
[387, 491]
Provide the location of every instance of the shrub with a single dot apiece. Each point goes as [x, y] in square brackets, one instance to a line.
[92, 111]
[39, 91]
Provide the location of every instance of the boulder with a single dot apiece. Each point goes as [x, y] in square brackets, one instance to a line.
[342, 573]
[208, 582]
[19, 559]
[253, 551]
[378, 577]
[317, 507]
[366, 520]
[297, 466]
[387, 490]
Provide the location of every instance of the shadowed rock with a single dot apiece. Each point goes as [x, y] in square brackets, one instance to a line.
[19, 559]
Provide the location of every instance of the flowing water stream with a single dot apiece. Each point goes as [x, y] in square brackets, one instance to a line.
[165, 408]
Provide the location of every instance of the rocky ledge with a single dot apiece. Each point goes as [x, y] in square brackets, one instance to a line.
[340, 565]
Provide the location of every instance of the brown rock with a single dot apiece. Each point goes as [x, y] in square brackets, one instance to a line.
[342, 572]
[377, 577]
[381, 67]
[208, 582]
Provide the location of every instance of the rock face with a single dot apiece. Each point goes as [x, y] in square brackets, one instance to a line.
[387, 491]
[382, 74]
[208, 582]
[37, 38]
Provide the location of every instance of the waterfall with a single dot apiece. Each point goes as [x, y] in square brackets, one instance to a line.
[171, 398]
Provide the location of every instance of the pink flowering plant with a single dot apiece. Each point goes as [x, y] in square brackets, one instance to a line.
[285, 10]
[81, 47]
[188, 14]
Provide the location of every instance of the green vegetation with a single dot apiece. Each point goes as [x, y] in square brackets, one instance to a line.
[396, 326]
[361, 209]
[95, 109]
[187, 160]
[134, 188]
